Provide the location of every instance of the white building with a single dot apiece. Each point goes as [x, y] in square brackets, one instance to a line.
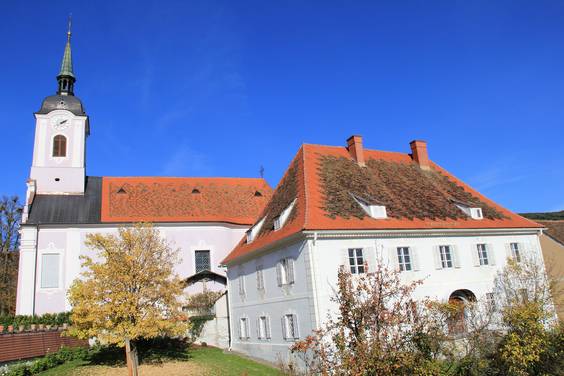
[203, 217]
[346, 206]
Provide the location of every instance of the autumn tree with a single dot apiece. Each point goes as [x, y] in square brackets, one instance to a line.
[10, 218]
[379, 329]
[128, 291]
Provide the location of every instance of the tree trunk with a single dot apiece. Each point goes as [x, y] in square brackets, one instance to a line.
[131, 358]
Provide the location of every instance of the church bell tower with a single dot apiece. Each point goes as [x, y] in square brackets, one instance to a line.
[61, 129]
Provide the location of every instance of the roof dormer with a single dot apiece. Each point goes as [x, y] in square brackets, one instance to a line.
[472, 212]
[253, 231]
[283, 217]
[373, 210]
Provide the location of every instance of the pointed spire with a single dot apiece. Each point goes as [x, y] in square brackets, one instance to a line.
[66, 76]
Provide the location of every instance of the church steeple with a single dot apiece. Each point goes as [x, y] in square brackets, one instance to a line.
[66, 78]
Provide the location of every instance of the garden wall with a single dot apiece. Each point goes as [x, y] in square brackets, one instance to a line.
[27, 345]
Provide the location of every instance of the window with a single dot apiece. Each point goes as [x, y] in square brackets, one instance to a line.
[59, 146]
[241, 278]
[446, 256]
[263, 327]
[375, 211]
[490, 299]
[253, 231]
[515, 252]
[482, 254]
[260, 278]
[243, 328]
[356, 260]
[202, 260]
[50, 270]
[404, 259]
[474, 213]
[290, 326]
[285, 271]
[281, 219]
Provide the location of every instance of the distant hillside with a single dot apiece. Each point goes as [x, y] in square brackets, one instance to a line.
[550, 216]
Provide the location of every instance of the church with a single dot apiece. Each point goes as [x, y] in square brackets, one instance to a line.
[202, 217]
[276, 252]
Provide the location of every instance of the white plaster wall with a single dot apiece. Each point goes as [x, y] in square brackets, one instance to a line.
[274, 303]
[216, 332]
[328, 254]
[69, 243]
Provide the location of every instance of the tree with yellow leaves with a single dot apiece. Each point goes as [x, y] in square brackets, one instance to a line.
[128, 290]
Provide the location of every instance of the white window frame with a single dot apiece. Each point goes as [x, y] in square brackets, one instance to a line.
[260, 277]
[515, 251]
[474, 213]
[290, 332]
[356, 261]
[263, 327]
[483, 255]
[444, 260]
[244, 328]
[280, 220]
[252, 233]
[242, 287]
[403, 265]
[374, 211]
[285, 271]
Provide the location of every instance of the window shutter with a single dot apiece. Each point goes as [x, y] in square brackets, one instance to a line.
[455, 256]
[393, 258]
[414, 255]
[290, 271]
[296, 327]
[284, 327]
[240, 330]
[247, 332]
[258, 328]
[279, 273]
[369, 255]
[267, 331]
[437, 257]
[344, 259]
[476, 255]
[508, 254]
[491, 254]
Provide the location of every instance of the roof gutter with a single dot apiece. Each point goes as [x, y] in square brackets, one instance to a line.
[418, 232]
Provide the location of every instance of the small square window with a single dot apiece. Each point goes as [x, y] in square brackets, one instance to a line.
[356, 260]
[404, 259]
[482, 254]
[446, 256]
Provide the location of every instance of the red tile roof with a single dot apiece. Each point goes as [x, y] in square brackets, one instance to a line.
[160, 199]
[323, 178]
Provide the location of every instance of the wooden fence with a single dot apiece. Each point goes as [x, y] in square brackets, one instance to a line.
[15, 346]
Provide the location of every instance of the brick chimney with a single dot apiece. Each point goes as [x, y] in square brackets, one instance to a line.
[419, 154]
[354, 146]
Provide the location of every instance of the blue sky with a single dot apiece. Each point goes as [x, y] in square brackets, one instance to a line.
[219, 88]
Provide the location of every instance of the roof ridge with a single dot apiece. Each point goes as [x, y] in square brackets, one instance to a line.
[181, 177]
[365, 149]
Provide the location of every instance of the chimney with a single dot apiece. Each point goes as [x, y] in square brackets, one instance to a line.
[419, 154]
[354, 146]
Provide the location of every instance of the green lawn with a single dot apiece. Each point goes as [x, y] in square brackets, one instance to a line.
[214, 360]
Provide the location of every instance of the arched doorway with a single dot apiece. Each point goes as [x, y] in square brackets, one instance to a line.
[459, 299]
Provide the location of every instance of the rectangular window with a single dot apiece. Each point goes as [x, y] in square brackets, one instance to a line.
[242, 291]
[490, 299]
[404, 259]
[356, 260]
[50, 270]
[260, 278]
[290, 328]
[515, 252]
[263, 328]
[446, 256]
[202, 260]
[277, 223]
[482, 254]
[285, 271]
[243, 328]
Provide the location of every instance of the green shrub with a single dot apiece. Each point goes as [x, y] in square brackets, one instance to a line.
[65, 354]
[53, 319]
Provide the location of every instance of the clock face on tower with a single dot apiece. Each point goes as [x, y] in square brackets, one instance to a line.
[60, 122]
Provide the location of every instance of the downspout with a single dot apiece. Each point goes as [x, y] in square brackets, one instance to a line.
[228, 321]
[314, 277]
[35, 268]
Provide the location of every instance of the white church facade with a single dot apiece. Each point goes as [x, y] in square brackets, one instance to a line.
[352, 207]
[204, 218]
[335, 206]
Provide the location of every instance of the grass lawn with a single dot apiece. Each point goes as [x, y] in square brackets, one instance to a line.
[202, 361]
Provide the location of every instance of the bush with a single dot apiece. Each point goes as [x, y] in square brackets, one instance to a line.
[53, 319]
[65, 354]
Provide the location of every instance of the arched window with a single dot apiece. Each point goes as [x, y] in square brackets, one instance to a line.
[59, 146]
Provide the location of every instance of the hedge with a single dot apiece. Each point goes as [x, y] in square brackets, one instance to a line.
[53, 319]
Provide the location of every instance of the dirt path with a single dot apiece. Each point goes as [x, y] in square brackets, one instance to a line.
[166, 369]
